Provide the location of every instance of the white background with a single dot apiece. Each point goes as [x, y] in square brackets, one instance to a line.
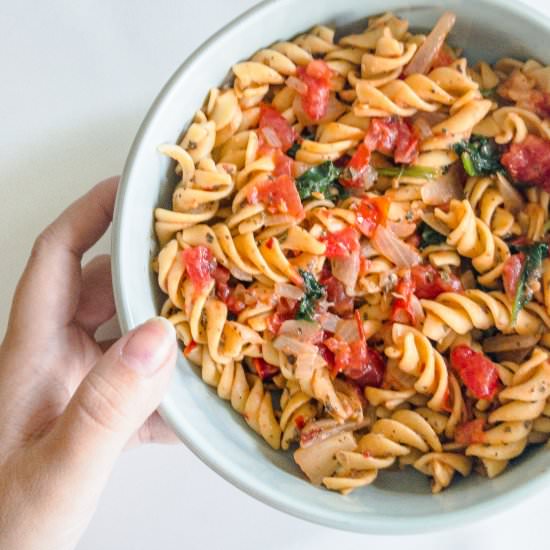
[76, 79]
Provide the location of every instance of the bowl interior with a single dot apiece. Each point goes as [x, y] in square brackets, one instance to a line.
[486, 30]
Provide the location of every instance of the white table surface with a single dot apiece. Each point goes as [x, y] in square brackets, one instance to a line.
[76, 78]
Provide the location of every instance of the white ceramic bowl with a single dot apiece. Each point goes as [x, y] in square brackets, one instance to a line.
[398, 502]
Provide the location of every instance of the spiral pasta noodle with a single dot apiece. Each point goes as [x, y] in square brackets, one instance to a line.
[354, 252]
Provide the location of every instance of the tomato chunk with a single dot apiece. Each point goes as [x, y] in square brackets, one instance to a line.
[189, 348]
[279, 195]
[356, 168]
[393, 135]
[336, 295]
[284, 165]
[470, 432]
[199, 264]
[316, 76]
[285, 310]
[342, 243]
[430, 283]
[272, 118]
[264, 369]
[402, 310]
[478, 373]
[370, 213]
[529, 161]
[511, 272]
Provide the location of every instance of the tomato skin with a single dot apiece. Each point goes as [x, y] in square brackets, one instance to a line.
[429, 283]
[356, 167]
[370, 213]
[402, 311]
[264, 369]
[407, 146]
[511, 272]
[341, 243]
[200, 264]
[316, 76]
[470, 432]
[529, 161]
[279, 194]
[478, 373]
[272, 118]
[189, 348]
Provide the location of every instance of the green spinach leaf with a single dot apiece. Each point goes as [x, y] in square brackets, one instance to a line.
[429, 236]
[480, 156]
[323, 179]
[313, 291]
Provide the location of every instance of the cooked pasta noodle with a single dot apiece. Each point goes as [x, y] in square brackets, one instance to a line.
[355, 253]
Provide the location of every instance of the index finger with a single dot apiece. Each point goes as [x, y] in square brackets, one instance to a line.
[47, 294]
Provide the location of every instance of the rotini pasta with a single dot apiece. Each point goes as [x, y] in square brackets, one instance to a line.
[355, 254]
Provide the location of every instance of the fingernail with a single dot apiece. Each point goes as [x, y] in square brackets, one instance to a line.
[148, 346]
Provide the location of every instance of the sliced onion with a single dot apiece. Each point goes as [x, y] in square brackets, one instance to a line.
[402, 229]
[329, 321]
[240, 274]
[289, 291]
[423, 58]
[416, 309]
[299, 86]
[435, 223]
[509, 342]
[316, 431]
[511, 196]
[347, 330]
[397, 251]
[367, 250]
[346, 270]
[292, 346]
[423, 127]
[271, 137]
[303, 331]
[443, 189]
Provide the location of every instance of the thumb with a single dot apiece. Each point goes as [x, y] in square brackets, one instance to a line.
[120, 392]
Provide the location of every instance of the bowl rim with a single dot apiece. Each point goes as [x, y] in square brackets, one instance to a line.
[242, 480]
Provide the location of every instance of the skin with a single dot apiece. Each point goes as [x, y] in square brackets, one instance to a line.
[69, 404]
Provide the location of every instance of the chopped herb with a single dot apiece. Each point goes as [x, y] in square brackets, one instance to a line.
[323, 179]
[534, 254]
[313, 291]
[489, 93]
[293, 150]
[480, 156]
[408, 171]
[429, 236]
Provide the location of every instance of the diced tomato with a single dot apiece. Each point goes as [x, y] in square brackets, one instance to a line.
[236, 301]
[511, 272]
[285, 310]
[529, 161]
[470, 432]
[430, 283]
[442, 59]
[264, 369]
[393, 135]
[370, 213]
[356, 168]
[341, 243]
[199, 264]
[478, 373]
[284, 165]
[300, 422]
[402, 311]
[272, 118]
[221, 276]
[189, 348]
[336, 295]
[316, 76]
[327, 355]
[233, 298]
[279, 195]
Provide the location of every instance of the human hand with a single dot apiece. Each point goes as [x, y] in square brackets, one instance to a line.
[67, 409]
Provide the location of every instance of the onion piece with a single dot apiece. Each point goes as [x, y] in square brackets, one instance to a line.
[271, 137]
[435, 223]
[509, 342]
[416, 309]
[292, 346]
[422, 126]
[289, 291]
[444, 188]
[329, 321]
[239, 273]
[347, 330]
[346, 270]
[402, 229]
[304, 331]
[397, 251]
[424, 56]
[299, 86]
[511, 196]
[316, 431]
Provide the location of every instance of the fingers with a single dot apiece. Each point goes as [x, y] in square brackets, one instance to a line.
[96, 305]
[155, 430]
[119, 394]
[48, 293]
